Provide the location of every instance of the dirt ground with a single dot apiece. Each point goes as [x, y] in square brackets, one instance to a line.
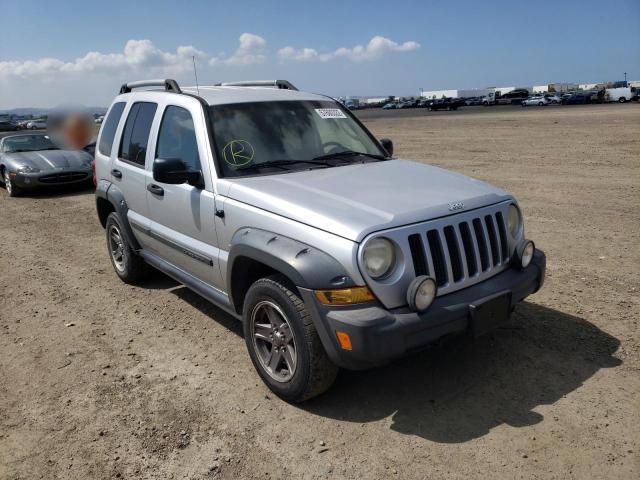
[99, 379]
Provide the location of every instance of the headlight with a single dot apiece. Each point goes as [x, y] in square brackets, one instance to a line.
[514, 220]
[28, 169]
[379, 257]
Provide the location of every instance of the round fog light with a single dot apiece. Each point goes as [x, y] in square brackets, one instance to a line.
[421, 293]
[525, 253]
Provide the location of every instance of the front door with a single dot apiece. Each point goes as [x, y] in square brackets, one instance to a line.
[182, 228]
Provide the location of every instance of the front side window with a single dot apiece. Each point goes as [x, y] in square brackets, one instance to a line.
[133, 146]
[270, 137]
[177, 137]
[109, 127]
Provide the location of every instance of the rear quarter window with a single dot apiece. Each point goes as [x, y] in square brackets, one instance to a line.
[109, 128]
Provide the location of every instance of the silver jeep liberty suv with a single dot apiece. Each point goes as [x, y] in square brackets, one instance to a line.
[282, 209]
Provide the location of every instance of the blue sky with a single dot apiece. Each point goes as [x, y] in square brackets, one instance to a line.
[75, 51]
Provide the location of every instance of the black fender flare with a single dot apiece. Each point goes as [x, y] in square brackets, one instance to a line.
[112, 194]
[306, 266]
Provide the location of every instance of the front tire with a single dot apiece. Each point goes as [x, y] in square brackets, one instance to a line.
[127, 264]
[12, 189]
[283, 343]
[622, 99]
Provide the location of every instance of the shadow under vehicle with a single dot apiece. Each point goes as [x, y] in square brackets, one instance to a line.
[461, 389]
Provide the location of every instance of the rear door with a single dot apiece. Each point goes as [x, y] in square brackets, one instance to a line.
[128, 170]
[182, 226]
[105, 150]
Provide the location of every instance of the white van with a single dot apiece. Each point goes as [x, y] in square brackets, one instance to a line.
[622, 94]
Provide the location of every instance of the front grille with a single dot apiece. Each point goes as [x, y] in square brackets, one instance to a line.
[64, 177]
[458, 252]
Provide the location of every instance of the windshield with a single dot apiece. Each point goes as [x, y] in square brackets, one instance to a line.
[271, 137]
[28, 143]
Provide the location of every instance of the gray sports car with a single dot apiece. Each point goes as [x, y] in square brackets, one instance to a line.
[33, 160]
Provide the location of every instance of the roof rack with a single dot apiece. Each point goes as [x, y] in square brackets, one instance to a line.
[169, 85]
[281, 84]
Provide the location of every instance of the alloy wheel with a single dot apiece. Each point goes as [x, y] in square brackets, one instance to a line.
[7, 182]
[116, 247]
[273, 341]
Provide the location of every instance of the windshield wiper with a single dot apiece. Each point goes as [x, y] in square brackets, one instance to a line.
[282, 164]
[350, 153]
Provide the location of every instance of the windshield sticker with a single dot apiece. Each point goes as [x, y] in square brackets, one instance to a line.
[238, 153]
[330, 113]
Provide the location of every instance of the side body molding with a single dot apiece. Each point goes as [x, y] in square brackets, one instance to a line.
[304, 265]
[109, 192]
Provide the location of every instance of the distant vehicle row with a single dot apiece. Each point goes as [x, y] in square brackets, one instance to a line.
[437, 104]
[6, 126]
[521, 97]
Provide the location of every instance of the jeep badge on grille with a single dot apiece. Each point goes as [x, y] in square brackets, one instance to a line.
[456, 206]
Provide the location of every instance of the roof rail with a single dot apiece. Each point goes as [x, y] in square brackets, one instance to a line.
[282, 84]
[169, 85]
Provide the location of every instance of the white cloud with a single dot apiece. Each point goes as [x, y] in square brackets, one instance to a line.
[303, 54]
[377, 47]
[250, 51]
[142, 56]
[137, 55]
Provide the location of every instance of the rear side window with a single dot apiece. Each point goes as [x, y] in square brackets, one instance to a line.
[177, 137]
[133, 146]
[109, 128]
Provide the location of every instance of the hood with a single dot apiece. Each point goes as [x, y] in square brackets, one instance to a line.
[52, 159]
[355, 200]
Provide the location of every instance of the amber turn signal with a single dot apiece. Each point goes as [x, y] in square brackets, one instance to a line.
[344, 340]
[345, 296]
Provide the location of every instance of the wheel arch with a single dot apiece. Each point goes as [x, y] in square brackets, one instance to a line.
[110, 198]
[256, 253]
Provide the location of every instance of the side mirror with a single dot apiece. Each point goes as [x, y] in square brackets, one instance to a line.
[387, 145]
[174, 171]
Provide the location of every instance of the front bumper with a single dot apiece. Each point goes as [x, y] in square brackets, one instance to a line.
[51, 178]
[379, 335]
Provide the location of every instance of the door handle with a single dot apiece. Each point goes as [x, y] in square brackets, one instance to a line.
[155, 189]
[116, 173]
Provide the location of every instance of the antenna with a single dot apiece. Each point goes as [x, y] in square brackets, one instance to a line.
[195, 72]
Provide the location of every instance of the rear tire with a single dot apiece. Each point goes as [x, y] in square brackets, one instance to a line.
[10, 187]
[622, 99]
[127, 264]
[283, 343]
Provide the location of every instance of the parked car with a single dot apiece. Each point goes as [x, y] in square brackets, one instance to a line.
[554, 98]
[281, 208]
[36, 124]
[538, 100]
[514, 97]
[389, 106]
[29, 161]
[578, 98]
[446, 104]
[473, 101]
[407, 104]
[6, 126]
